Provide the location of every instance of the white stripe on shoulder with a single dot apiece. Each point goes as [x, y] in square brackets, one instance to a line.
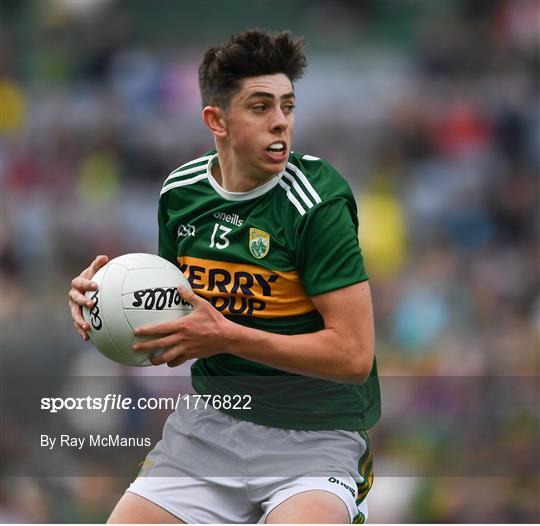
[305, 182]
[198, 160]
[183, 182]
[310, 158]
[181, 173]
[291, 197]
[291, 180]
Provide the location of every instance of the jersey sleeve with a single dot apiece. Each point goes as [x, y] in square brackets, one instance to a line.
[328, 254]
[166, 244]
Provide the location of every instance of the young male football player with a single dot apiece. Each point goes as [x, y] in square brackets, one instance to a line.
[282, 325]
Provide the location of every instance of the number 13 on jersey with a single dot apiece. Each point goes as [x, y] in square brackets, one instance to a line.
[221, 231]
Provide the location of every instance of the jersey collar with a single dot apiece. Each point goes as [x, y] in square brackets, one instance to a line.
[239, 196]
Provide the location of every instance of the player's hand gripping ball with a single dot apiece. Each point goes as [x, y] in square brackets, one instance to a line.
[133, 290]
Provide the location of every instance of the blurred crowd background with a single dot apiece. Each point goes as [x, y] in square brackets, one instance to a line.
[429, 108]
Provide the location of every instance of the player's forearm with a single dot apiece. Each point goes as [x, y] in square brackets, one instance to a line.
[323, 354]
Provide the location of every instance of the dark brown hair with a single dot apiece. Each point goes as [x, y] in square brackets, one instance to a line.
[248, 54]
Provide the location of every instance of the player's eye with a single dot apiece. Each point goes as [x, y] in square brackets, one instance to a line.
[288, 108]
[259, 108]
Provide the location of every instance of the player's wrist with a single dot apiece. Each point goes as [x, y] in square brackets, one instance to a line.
[233, 334]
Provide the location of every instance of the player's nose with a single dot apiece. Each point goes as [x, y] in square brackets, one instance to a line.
[279, 120]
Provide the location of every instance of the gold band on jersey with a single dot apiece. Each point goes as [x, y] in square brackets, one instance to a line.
[246, 290]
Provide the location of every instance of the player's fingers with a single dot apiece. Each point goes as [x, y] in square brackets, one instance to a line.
[157, 359]
[172, 353]
[156, 343]
[179, 360]
[157, 329]
[78, 317]
[80, 299]
[83, 284]
[190, 296]
[83, 333]
[98, 262]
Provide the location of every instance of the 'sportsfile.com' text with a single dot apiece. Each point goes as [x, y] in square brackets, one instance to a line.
[114, 401]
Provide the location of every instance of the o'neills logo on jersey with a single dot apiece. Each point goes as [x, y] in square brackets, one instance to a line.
[246, 290]
[233, 219]
[259, 242]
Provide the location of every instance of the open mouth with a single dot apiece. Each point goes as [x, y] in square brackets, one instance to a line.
[276, 147]
[277, 150]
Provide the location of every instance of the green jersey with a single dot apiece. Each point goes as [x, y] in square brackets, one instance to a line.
[259, 257]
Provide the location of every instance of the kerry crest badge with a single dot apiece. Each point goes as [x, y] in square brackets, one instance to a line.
[259, 242]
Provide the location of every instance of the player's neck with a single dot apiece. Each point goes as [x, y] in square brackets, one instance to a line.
[233, 178]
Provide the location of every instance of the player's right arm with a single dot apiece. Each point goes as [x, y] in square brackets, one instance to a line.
[77, 299]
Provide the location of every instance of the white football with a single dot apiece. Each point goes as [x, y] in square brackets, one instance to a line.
[133, 290]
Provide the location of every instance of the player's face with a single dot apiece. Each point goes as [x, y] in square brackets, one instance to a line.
[260, 122]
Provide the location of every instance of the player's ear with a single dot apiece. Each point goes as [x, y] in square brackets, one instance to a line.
[214, 118]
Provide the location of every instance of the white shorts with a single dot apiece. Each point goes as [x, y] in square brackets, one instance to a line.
[210, 467]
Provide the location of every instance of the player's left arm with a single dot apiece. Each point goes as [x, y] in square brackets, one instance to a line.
[342, 351]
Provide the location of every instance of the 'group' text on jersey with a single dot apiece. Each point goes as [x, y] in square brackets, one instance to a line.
[259, 257]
